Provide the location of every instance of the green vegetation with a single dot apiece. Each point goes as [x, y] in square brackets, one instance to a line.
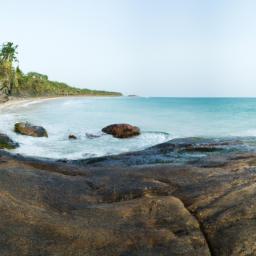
[13, 82]
[39, 85]
[7, 72]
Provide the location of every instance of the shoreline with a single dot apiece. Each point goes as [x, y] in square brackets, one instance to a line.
[15, 101]
[181, 196]
[28, 145]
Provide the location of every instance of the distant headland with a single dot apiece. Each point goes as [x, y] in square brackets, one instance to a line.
[13, 82]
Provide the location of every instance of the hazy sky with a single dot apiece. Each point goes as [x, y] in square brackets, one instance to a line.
[145, 47]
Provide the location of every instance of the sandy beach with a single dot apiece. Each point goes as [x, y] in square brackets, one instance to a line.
[16, 101]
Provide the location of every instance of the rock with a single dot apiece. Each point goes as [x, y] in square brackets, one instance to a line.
[71, 208]
[28, 129]
[76, 218]
[72, 137]
[92, 136]
[6, 142]
[122, 130]
[3, 98]
[187, 150]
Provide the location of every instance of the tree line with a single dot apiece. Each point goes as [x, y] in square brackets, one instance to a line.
[13, 82]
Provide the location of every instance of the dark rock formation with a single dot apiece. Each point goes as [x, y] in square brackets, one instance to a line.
[6, 142]
[72, 137]
[122, 130]
[201, 205]
[177, 151]
[25, 128]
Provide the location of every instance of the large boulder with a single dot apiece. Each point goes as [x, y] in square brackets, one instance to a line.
[122, 130]
[6, 142]
[28, 129]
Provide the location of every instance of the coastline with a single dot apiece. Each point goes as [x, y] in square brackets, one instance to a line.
[15, 101]
[88, 167]
[24, 104]
[187, 196]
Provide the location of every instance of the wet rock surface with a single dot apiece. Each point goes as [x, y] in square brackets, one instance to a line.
[28, 129]
[199, 203]
[121, 131]
[7, 143]
[176, 151]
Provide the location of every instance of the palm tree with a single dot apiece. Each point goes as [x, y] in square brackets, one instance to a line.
[8, 52]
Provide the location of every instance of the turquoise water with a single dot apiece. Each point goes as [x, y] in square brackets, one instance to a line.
[160, 119]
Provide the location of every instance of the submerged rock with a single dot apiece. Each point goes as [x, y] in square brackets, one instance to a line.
[6, 142]
[72, 137]
[122, 130]
[92, 136]
[28, 129]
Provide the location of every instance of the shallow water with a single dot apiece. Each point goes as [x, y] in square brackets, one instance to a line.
[160, 120]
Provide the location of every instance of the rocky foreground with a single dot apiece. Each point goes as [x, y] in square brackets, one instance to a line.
[184, 197]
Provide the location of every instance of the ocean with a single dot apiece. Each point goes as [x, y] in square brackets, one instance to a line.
[160, 120]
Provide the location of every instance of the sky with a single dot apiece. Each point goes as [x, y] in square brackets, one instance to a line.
[178, 48]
